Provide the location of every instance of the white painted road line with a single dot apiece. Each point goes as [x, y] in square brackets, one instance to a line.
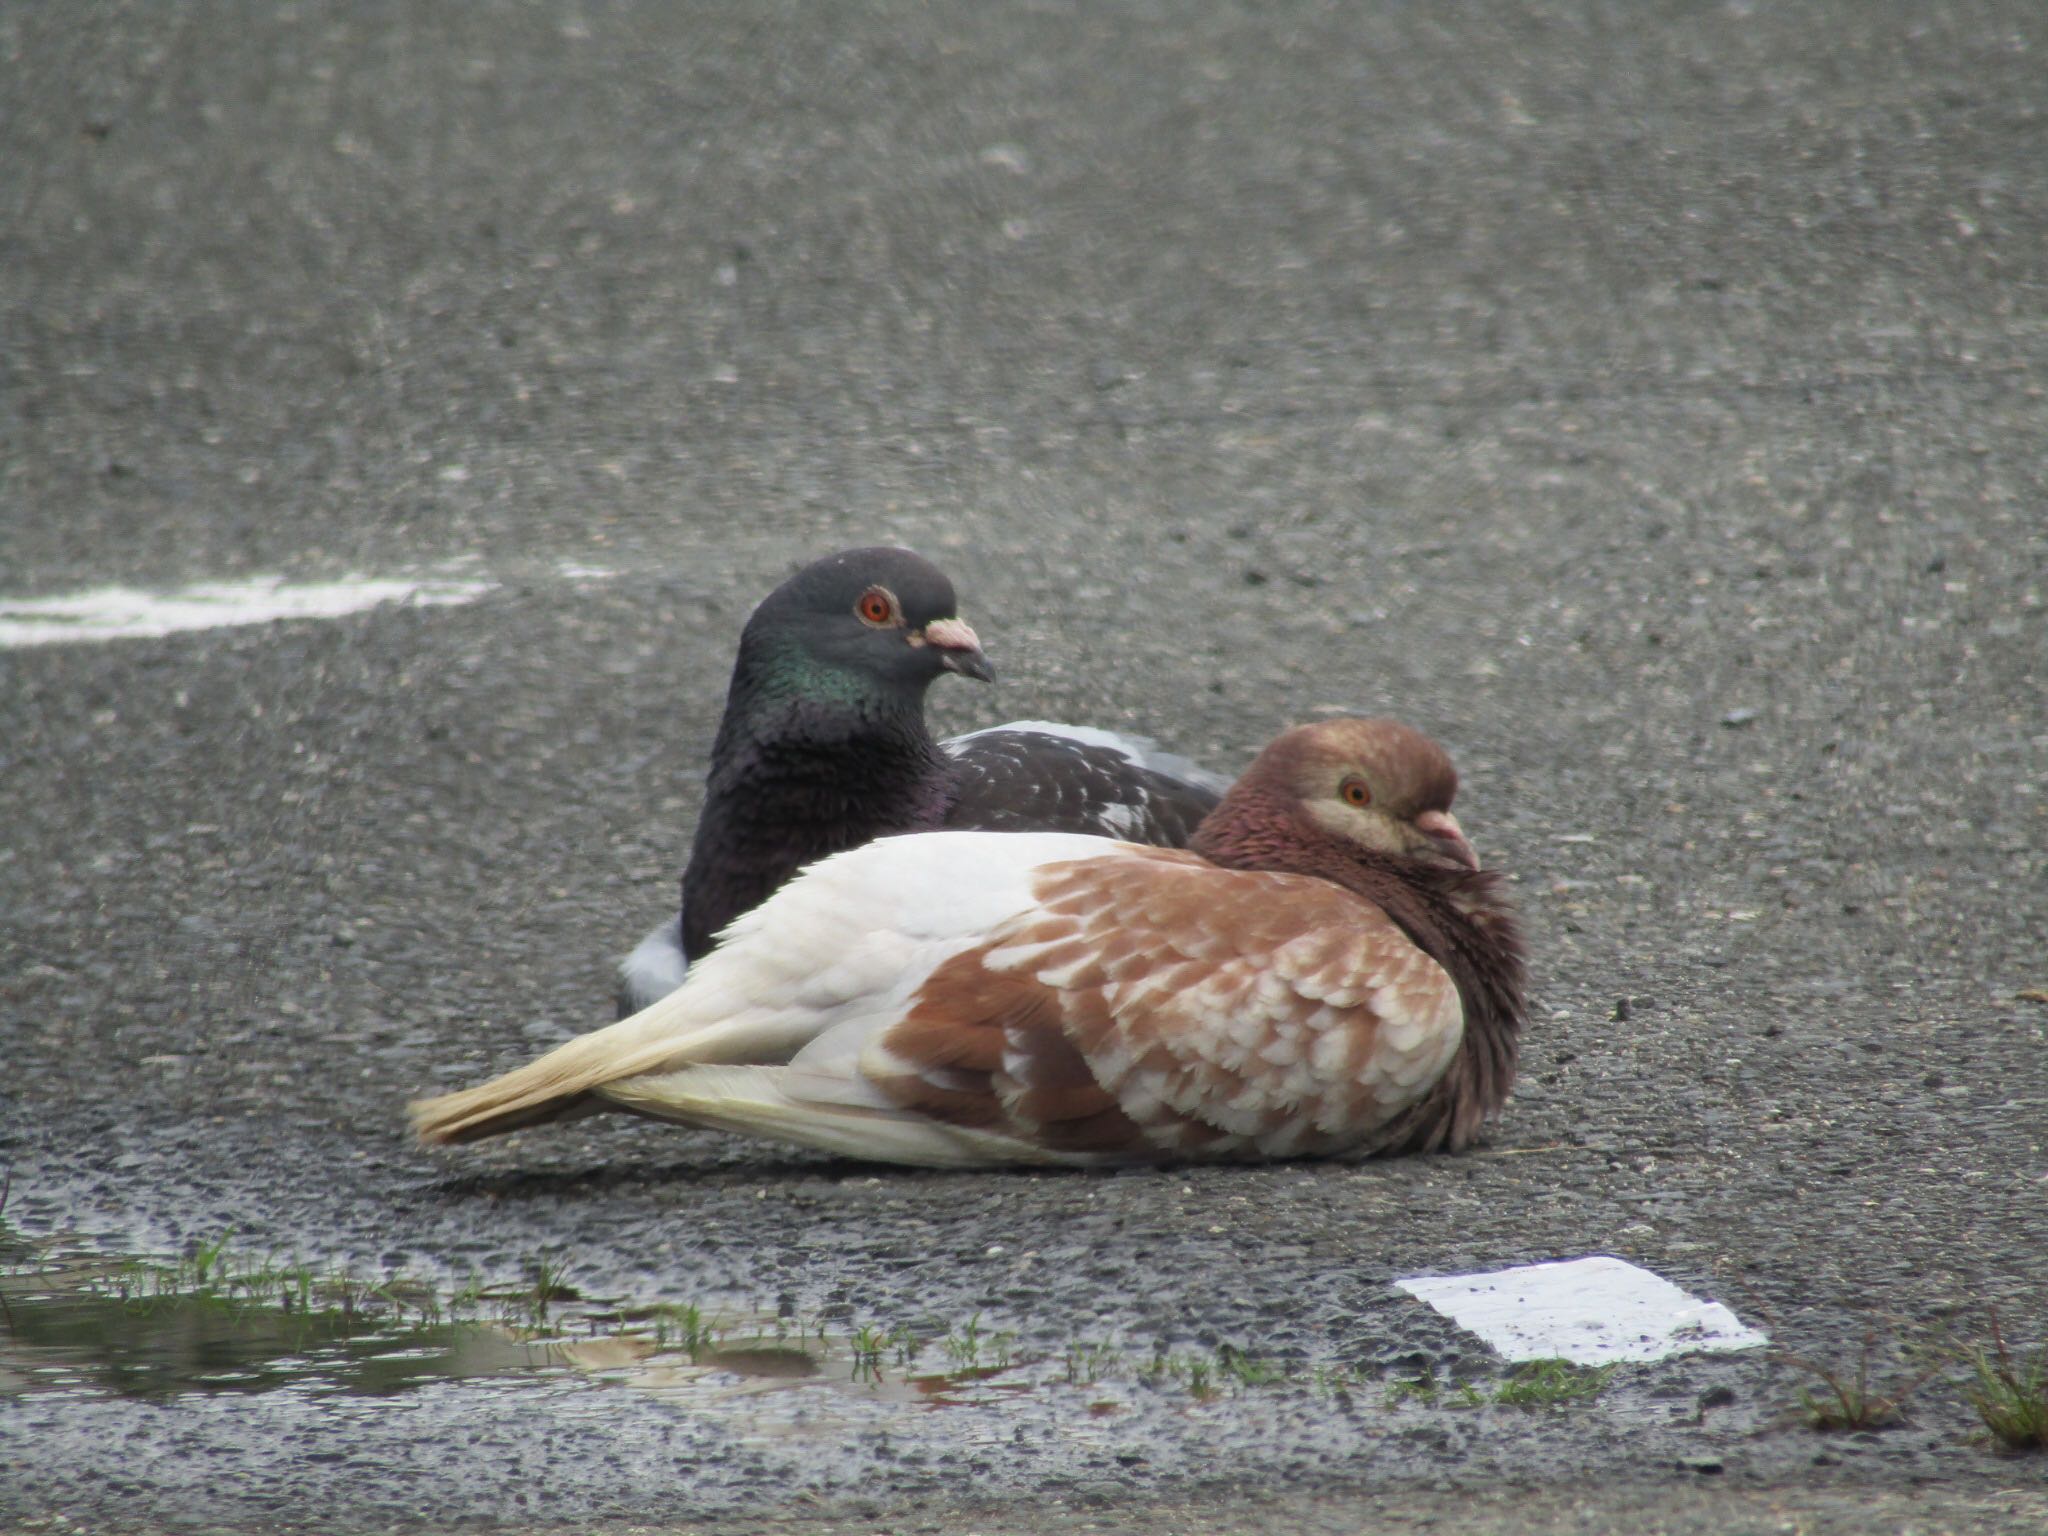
[126, 613]
[1590, 1311]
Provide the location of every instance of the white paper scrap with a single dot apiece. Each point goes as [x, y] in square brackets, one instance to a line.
[126, 613]
[1590, 1311]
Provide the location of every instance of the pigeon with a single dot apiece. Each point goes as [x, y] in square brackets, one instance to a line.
[823, 747]
[1325, 970]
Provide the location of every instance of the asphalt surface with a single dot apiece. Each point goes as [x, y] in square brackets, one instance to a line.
[1647, 401]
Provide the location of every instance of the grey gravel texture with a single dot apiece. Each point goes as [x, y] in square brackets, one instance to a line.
[1646, 400]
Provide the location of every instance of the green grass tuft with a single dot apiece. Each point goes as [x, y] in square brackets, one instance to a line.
[2010, 1393]
[684, 1327]
[963, 1344]
[1419, 1388]
[550, 1285]
[1547, 1383]
[1847, 1401]
[1089, 1363]
[1247, 1370]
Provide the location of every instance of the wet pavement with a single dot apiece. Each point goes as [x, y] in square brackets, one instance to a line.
[1648, 405]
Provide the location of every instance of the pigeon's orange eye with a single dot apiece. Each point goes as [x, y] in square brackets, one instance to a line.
[1355, 791]
[876, 606]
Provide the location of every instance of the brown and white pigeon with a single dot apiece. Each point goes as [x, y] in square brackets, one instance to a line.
[823, 747]
[1327, 970]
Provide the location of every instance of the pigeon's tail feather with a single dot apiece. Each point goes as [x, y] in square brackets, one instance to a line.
[557, 1085]
[846, 1118]
[476, 1125]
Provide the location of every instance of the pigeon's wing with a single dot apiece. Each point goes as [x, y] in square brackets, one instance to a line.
[848, 938]
[1036, 776]
[1145, 1005]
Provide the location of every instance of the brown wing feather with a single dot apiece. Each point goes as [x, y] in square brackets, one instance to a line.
[1155, 1005]
[986, 1049]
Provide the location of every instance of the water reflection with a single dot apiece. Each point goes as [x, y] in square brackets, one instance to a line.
[81, 1340]
[91, 1326]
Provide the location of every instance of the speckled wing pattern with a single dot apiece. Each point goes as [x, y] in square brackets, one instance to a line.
[1037, 776]
[1152, 1005]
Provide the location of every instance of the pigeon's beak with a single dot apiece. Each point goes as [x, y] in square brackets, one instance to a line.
[1442, 829]
[958, 649]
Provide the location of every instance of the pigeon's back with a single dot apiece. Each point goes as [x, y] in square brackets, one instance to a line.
[1036, 776]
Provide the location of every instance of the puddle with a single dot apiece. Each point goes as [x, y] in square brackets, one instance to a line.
[80, 1325]
[222, 1376]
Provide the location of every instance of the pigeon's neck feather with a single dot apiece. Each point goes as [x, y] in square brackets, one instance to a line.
[775, 670]
[1460, 918]
[794, 779]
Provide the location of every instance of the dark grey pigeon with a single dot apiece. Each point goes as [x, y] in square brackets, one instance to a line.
[824, 747]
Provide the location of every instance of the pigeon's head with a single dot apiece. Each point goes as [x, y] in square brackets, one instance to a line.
[1372, 784]
[879, 618]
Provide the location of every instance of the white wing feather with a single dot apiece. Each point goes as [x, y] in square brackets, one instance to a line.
[851, 938]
